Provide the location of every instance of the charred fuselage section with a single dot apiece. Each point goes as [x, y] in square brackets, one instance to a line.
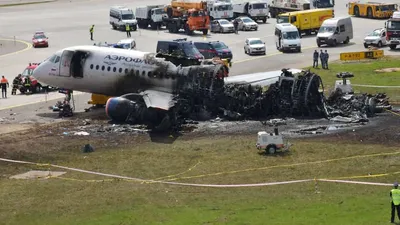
[201, 94]
[291, 96]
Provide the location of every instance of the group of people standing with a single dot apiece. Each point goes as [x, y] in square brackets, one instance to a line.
[323, 56]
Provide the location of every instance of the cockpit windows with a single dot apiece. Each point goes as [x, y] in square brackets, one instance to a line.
[54, 59]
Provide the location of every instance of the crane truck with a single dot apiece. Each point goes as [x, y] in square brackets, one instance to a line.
[186, 15]
[283, 6]
[257, 10]
[150, 15]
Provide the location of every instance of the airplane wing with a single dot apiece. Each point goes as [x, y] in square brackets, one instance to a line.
[157, 99]
[261, 79]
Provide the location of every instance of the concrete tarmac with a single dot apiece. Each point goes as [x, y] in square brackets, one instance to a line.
[67, 23]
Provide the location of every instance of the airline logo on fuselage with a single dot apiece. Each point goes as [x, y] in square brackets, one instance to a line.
[127, 59]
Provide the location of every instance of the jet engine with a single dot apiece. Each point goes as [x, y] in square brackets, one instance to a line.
[122, 110]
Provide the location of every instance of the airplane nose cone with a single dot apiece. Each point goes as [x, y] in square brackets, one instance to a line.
[39, 73]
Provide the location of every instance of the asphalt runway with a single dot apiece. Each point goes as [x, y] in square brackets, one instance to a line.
[67, 23]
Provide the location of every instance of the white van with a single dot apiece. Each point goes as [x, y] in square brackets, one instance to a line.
[334, 31]
[287, 37]
[120, 16]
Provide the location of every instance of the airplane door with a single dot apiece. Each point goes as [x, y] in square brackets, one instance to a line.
[65, 63]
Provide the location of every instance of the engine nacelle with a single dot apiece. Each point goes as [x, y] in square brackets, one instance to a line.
[120, 109]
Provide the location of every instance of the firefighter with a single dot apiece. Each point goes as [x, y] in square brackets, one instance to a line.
[128, 30]
[4, 85]
[16, 82]
[27, 84]
[91, 30]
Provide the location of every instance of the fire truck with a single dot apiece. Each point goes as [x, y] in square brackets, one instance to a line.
[392, 27]
[36, 86]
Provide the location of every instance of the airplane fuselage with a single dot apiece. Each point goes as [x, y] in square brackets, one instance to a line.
[107, 71]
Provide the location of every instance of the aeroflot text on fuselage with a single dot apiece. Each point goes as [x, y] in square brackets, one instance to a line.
[127, 59]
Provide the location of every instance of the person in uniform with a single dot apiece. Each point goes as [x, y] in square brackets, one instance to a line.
[322, 58]
[91, 30]
[326, 59]
[16, 82]
[128, 30]
[395, 197]
[315, 59]
[4, 85]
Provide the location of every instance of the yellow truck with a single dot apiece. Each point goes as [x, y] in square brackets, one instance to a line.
[98, 100]
[372, 10]
[306, 21]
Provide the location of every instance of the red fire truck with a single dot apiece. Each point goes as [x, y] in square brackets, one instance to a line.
[392, 27]
[36, 86]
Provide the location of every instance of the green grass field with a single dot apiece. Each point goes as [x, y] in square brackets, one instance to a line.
[79, 199]
[364, 73]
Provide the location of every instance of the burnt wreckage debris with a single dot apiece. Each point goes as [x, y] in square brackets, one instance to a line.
[202, 94]
[290, 96]
[345, 106]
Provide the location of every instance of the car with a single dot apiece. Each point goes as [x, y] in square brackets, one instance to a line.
[222, 26]
[246, 23]
[254, 46]
[180, 48]
[211, 49]
[128, 44]
[376, 38]
[40, 39]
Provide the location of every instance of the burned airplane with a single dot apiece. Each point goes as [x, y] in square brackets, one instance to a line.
[162, 94]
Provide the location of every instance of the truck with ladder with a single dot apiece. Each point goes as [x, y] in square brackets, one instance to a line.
[392, 27]
[187, 15]
[283, 6]
[372, 10]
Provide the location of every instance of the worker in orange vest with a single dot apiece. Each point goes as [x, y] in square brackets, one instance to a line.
[4, 85]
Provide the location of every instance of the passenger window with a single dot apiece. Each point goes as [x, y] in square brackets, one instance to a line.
[293, 19]
[97, 67]
[143, 73]
[102, 68]
[155, 74]
[115, 69]
[383, 34]
[120, 70]
[126, 71]
[91, 66]
[57, 59]
[342, 28]
[149, 74]
[137, 73]
[108, 68]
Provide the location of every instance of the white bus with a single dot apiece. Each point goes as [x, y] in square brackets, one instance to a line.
[120, 16]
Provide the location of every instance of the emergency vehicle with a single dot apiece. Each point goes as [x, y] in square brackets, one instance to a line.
[36, 86]
[392, 27]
